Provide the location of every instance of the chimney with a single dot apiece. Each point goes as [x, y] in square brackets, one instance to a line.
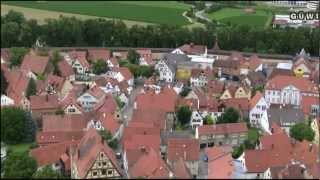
[78, 154]
[310, 147]
[143, 149]
[185, 155]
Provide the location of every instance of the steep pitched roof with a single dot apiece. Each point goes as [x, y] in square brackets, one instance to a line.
[166, 100]
[220, 165]
[91, 144]
[110, 123]
[129, 132]
[150, 165]
[241, 104]
[58, 136]
[96, 92]
[55, 81]
[155, 117]
[51, 154]
[138, 141]
[192, 48]
[34, 63]
[181, 170]
[187, 149]
[81, 56]
[65, 69]
[68, 122]
[96, 54]
[126, 73]
[17, 85]
[44, 102]
[256, 98]
[107, 105]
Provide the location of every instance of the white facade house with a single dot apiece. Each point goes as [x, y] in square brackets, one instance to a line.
[197, 117]
[166, 73]
[177, 51]
[6, 101]
[258, 109]
[199, 81]
[287, 95]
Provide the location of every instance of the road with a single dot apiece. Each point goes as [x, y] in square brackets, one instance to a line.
[199, 14]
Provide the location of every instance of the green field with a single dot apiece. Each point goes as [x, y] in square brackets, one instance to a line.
[157, 12]
[19, 148]
[260, 18]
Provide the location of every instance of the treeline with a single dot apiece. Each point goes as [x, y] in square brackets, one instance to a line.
[70, 31]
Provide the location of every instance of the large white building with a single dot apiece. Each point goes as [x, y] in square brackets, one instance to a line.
[289, 90]
[258, 109]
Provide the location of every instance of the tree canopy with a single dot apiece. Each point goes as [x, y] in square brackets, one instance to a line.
[55, 59]
[16, 31]
[208, 120]
[184, 115]
[185, 91]
[133, 57]
[31, 89]
[301, 131]
[19, 165]
[17, 126]
[16, 55]
[100, 67]
[47, 173]
[231, 115]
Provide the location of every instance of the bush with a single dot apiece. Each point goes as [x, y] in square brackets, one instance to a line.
[184, 115]
[302, 131]
[16, 55]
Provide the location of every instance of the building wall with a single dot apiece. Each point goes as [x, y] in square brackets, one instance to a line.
[315, 129]
[71, 109]
[222, 139]
[226, 95]
[193, 166]
[241, 93]
[256, 113]
[87, 101]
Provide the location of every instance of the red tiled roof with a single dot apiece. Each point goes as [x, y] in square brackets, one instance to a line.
[138, 141]
[71, 99]
[165, 100]
[279, 153]
[17, 85]
[238, 103]
[155, 117]
[195, 73]
[181, 170]
[87, 151]
[193, 49]
[103, 81]
[68, 122]
[255, 62]
[279, 82]
[34, 63]
[188, 149]
[256, 98]
[51, 154]
[81, 56]
[227, 128]
[45, 138]
[108, 105]
[125, 73]
[44, 102]
[307, 102]
[66, 70]
[97, 92]
[236, 56]
[110, 123]
[129, 131]
[302, 61]
[220, 162]
[150, 165]
[56, 81]
[215, 87]
[96, 54]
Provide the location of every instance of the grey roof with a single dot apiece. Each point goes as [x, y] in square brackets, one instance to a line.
[172, 60]
[285, 114]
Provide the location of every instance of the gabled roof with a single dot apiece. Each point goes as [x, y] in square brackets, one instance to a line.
[81, 56]
[181, 170]
[44, 102]
[214, 87]
[96, 92]
[195, 73]
[193, 49]
[284, 115]
[155, 117]
[166, 100]
[68, 122]
[279, 82]
[255, 99]
[241, 104]
[89, 148]
[17, 85]
[107, 105]
[36, 64]
[307, 102]
[220, 162]
[55, 81]
[96, 54]
[109, 123]
[150, 165]
[51, 154]
[65, 69]
[255, 62]
[58, 136]
[129, 131]
[138, 141]
[187, 149]
[125, 73]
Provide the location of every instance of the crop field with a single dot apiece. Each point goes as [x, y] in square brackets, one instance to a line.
[259, 18]
[155, 12]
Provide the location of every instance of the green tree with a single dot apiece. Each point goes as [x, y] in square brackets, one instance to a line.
[237, 151]
[19, 165]
[184, 115]
[119, 102]
[113, 143]
[185, 91]
[4, 83]
[106, 135]
[17, 126]
[231, 115]
[16, 55]
[47, 173]
[301, 131]
[100, 67]
[32, 88]
[55, 58]
[208, 120]
[133, 57]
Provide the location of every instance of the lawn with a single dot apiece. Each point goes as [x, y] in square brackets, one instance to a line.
[19, 148]
[158, 12]
[239, 16]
